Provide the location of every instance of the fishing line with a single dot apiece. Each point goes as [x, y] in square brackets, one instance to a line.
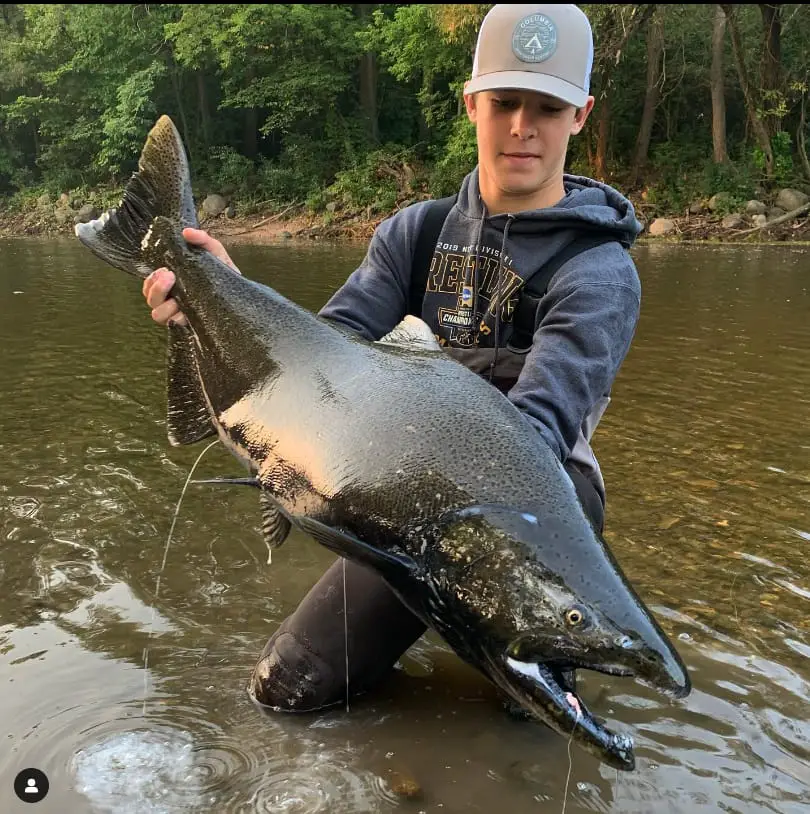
[160, 573]
[346, 633]
[570, 762]
[731, 597]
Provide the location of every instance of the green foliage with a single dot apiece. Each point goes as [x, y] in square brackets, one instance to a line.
[292, 61]
[415, 48]
[738, 180]
[229, 172]
[13, 173]
[377, 182]
[297, 173]
[269, 99]
[784, 172]
[684, 176]
[125, 123]
[456, 159]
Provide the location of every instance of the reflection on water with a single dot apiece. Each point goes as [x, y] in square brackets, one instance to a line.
[707, 459]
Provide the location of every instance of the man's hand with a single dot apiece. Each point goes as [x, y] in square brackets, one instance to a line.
[158, 284]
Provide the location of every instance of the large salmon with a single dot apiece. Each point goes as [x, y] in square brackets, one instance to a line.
[392, 454]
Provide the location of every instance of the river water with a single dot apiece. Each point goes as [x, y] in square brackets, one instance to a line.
[706, 450]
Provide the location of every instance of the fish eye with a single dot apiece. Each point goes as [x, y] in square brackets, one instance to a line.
[575, 616]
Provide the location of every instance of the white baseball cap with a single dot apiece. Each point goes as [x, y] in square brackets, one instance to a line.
[544, 48]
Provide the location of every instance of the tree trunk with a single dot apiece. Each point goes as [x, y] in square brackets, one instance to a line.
[801, 144]
[615, 36]
[178, 95]
[368, 81]
[251, 131]
[718, 88]
[602, 139]
[752, 101]
[427, 90]
[202, 101]
[772, 65]
[368, 94]
[655, 50]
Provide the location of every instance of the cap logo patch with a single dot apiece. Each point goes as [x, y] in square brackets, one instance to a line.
[534, 38]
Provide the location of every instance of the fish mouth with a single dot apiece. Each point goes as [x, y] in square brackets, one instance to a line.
[548, 691]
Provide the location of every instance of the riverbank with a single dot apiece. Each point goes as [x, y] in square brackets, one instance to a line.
[703, 226]
[260, 227]
[297, 224]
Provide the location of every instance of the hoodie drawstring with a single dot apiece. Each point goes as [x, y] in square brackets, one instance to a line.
[475, 270]
[497, 297]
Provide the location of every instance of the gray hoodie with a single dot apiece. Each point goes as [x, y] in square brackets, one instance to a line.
[586, 320]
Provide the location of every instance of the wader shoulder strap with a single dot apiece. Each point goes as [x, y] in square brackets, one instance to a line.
[437, 212]
[525, 317]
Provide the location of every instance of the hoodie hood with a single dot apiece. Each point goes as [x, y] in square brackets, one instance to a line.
[587, 205]
[482, 261]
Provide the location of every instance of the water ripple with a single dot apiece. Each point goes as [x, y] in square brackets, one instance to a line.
[316, 782]
[158, 767]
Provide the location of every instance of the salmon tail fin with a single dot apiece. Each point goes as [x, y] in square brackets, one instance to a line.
[161, 187]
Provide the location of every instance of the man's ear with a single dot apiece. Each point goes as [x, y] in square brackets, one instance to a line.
[582, 116]
[469, 103]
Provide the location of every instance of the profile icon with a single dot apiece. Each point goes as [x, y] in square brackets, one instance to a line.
[31, 785]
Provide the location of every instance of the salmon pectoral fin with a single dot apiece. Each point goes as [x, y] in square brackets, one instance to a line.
[351, 547]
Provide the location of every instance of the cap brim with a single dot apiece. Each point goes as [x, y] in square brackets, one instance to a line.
[528, 80]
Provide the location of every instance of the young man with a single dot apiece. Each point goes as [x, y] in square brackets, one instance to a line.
[553, 347]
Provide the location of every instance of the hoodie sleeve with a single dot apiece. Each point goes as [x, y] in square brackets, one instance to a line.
[374, 299]
[583, 336]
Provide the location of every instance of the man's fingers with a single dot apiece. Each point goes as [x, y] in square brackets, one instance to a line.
[157, 285]
[149, 283]
[156, 288]
[201, 238]
[168, 311]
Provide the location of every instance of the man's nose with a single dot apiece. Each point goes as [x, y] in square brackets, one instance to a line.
[523, 125]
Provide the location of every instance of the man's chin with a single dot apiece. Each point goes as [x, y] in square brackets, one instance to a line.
[525, 189]
[521, 187]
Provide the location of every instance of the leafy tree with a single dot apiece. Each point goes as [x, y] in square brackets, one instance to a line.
[360, 105]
